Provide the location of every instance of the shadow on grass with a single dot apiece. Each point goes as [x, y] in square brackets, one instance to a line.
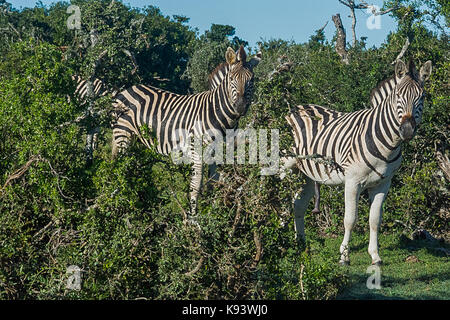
[423, 276]
[433, 247]
[396, 285]
[394, 288]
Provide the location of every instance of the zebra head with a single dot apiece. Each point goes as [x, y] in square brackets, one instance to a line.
[409, 94]
[240, 78]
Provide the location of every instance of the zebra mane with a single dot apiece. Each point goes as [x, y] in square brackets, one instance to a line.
[383, 89]
[218, 74]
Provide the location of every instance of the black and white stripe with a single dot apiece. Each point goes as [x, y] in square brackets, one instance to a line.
[168, 115]
[82, 88]
[360, 149]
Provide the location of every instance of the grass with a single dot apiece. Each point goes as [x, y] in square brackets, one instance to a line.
[416, 269]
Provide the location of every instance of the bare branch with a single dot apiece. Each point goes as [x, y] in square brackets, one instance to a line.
[346, 3]
[302, 267]
[353, 15]
[281, 67]
[15, 30]
[341, 38]
[19, 172]
[351, 4]
[365, 5]
[321, 29]
[259, 249]
[402, 52]
[380, 13]
[362, 5]
[197, 267]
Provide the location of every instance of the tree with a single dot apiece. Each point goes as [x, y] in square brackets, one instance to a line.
[219, 32]
[353, 6]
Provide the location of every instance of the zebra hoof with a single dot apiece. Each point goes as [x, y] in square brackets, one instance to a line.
[344, 263]
[315, 211]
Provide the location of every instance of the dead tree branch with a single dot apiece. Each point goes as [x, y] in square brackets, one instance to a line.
[359, 6]
[352, 6]
[259, 249]
[365, 5]
[402, 52]
[341, 39]
[19, 172]
[196, 268]
[282, 66]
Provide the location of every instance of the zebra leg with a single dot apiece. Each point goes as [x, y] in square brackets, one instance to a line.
[120, 138]
[196, 182]
[352, 193]
[377, 196]
[213, 175]
[317, 195]
[300, 206]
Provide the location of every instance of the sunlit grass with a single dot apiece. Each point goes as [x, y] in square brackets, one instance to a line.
[417, 269]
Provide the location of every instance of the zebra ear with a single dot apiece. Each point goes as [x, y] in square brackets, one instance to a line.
[241, 55]
[425, 72]
[400, 69]
[230, 56]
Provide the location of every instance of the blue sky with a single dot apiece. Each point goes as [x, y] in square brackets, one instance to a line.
[265, 19]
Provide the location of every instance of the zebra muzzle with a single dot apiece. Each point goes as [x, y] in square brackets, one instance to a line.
[241, 104]
[407, 128]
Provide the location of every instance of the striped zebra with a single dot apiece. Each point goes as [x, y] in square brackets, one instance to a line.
[82, 88]
[85, 92]
[168, 115]
[360, 149]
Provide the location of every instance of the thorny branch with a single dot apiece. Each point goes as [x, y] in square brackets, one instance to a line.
[197, 267]
[402, 52]
[327, 161]
[21, 171]
[258, 245]
[281, 67]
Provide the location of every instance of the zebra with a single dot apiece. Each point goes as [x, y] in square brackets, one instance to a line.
[360, 149]
[99, 89]
[86, 91]
[166, 113]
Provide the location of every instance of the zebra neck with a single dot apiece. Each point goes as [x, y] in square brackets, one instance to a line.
[382, 91]
[218, 80]
[385, 129]
[383, 97]
[222, 107]
[218, 75]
